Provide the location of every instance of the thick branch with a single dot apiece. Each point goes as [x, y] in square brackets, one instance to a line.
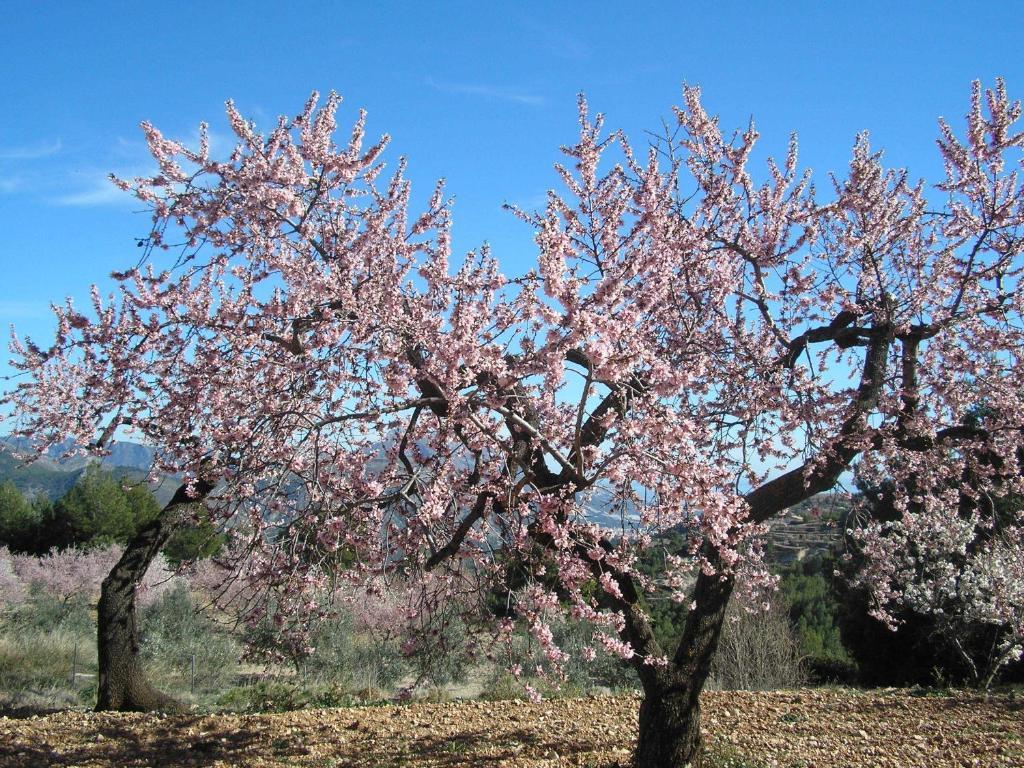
[837, 330]
[619, 400]
[823, 472]
[478, 511]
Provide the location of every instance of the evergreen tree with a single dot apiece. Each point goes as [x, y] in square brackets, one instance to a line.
[19, 519]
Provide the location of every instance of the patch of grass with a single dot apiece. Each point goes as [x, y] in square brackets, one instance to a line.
[435, 694]
[456, 746]
[286, 696]
[177, 639]
[38, 665]
[501, 687]
[399, 758]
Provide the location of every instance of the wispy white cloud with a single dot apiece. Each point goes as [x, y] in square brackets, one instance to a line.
[98, 190]
[221, 143]
[8, 185]
[492, 92]
[130, 158]
[124, 147]
[554, 40]
[31, 151]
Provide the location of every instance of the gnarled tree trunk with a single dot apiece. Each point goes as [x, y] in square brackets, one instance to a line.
[670, 729]
[122, 684]
[670, 712]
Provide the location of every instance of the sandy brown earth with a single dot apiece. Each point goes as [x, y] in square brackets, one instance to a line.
[805, 729]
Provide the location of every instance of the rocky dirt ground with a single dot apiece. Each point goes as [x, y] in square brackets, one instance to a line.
[805, 729]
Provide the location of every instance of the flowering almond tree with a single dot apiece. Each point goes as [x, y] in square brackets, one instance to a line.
[965, 575]
[695, 350]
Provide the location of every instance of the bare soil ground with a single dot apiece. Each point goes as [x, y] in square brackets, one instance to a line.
[796, 729]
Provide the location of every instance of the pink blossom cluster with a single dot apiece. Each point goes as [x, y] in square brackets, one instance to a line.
[695, 348]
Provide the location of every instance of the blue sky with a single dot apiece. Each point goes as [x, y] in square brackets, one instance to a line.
[481, 94]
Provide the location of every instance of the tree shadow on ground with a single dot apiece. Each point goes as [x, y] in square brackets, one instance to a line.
[168, 742]
[27, 711]
[179, 740]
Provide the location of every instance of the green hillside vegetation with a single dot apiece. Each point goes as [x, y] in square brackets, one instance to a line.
[100, 508]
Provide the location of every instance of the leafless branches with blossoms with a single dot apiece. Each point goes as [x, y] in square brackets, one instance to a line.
[699, 349]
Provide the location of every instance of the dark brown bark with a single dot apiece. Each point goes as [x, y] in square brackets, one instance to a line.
[122, 683]
[669, 734]
[669, 730]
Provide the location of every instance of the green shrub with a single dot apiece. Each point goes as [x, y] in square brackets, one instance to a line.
[98, 510]
[174, 632]
[19, 519]
[439, 656]
[194, 540]
[357, 661]
[606, 670]
[814, 610]
[43, 613]
[501, 686]
[284, 696]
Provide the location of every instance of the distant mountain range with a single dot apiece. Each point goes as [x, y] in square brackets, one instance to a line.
[52, 475]
[812, 527]
[122, 454]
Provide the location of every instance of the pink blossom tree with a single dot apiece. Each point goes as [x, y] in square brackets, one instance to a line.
[12, 588]
[694, 350]
[73, 574]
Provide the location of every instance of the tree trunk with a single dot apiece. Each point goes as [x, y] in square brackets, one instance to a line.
[670, 712]
[669, 729]
[122, 684]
